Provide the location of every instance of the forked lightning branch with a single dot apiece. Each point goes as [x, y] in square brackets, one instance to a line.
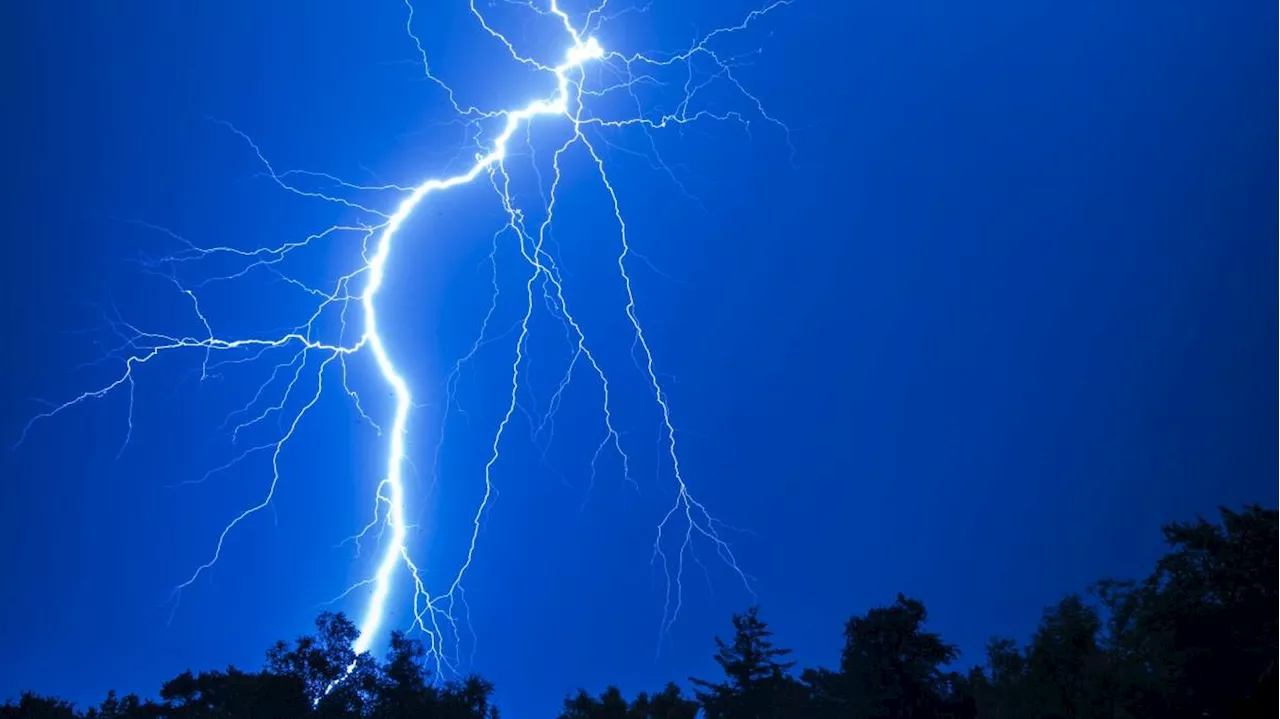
[398, 579]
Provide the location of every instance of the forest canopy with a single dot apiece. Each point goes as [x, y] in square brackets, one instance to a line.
[1197, 637]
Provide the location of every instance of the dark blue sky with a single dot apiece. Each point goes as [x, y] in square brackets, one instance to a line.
[1005, 311]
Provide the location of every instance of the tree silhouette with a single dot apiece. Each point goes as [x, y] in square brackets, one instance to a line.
[1196, 638]
[609, 705]
[130, 706]
[1064, 671]
[667, 704]
[757, 684]
[891, 667]
[34, 706]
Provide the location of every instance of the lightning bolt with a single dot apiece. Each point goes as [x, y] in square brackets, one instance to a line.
[308, 358]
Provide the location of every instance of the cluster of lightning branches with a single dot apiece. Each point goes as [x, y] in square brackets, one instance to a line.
[310, 360]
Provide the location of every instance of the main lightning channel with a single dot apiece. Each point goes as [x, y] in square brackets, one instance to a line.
[395, 550]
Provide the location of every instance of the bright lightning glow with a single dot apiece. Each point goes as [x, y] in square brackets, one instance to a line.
[687, 518]
[395, 551]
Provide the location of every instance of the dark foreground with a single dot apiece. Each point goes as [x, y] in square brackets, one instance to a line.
[1196, 638]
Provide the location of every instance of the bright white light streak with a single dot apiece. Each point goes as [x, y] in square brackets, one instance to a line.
[435, 615]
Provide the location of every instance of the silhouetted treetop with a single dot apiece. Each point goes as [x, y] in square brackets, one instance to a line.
[1195, 638]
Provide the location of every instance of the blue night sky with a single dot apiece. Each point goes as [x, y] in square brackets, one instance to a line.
[1003, 311]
